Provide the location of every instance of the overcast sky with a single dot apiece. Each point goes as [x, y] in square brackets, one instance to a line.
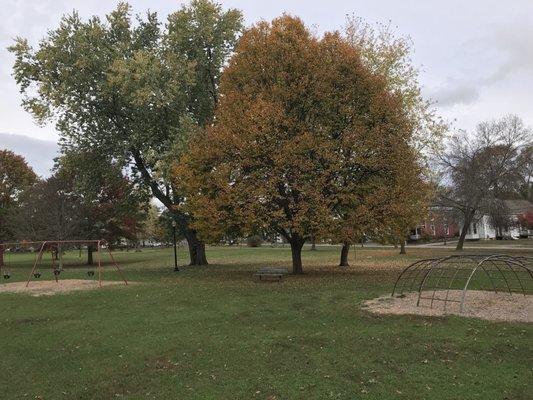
[475, 56]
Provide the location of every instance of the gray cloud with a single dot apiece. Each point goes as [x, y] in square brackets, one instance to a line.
[501, 55]
[516, 49]
[39, 154]
[454, 93]
[476, 55]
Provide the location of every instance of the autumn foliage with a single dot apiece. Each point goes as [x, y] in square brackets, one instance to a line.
[526, 220]
[307, 142]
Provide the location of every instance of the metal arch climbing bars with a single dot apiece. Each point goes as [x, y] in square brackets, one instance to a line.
[510, 262]
[408, 273]
[455, 272]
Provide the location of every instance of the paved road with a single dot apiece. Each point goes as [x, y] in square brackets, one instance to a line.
[452, 244]
[510, 246]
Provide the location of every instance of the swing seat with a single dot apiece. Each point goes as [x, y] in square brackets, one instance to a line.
[56, 272]
[6, 276]
[90, 273]
[37, 275]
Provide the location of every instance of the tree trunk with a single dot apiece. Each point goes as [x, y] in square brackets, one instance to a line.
[402, 247]
[90, 254]
[461, 241]
[296, 250]
[313, 244]
[60, 257]
[344, 255]
[196, 249]
[1, 256]
[468, 220]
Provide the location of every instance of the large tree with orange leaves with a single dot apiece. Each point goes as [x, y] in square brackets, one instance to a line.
[306, 142]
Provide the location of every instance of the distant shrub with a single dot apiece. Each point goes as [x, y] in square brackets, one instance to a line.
[425, 238]
[254, 241]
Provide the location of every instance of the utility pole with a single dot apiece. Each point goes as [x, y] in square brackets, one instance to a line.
[176, 269]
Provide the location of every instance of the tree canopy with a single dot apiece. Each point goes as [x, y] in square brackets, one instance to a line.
[307, 140]
[80, 203]
[389, 55]
[479, 170]
[132, 90]
[15, 177]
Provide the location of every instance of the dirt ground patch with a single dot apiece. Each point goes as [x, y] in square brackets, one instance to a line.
[479, 304]
[48, 288]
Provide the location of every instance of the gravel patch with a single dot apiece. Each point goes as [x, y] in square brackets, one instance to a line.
[478, 304]
[49, 288]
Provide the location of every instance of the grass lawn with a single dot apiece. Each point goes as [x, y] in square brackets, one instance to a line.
[213, 333]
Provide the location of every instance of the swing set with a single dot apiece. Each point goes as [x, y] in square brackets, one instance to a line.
[56, 248]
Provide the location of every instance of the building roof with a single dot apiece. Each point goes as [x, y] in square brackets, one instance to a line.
[519, 206]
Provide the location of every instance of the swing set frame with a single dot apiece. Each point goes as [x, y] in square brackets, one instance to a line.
[43, 246]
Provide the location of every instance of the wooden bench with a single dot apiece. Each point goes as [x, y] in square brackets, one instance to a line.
[271, 274]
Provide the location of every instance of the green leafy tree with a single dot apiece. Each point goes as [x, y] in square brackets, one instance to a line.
[113, 207]
[15, 178]
[390, 56]
[49, 210]
[149, 230]
[133, 90]
[83, 204]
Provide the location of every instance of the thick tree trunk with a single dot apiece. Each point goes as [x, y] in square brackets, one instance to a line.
[196, 249]
[296, 250]
[344, 255]
[468, 220]
[402, 247]
[90, 254]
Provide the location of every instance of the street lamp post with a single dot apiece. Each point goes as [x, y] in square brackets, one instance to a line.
[176, 269]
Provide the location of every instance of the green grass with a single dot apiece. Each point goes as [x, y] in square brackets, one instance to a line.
[213, 333]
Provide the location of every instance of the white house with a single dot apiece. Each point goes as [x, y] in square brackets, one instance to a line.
[483, 229]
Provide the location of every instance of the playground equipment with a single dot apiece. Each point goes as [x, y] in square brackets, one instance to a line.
[56, 247]
[435, 279]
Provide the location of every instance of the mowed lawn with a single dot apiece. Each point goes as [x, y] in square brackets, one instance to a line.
[214, 333]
